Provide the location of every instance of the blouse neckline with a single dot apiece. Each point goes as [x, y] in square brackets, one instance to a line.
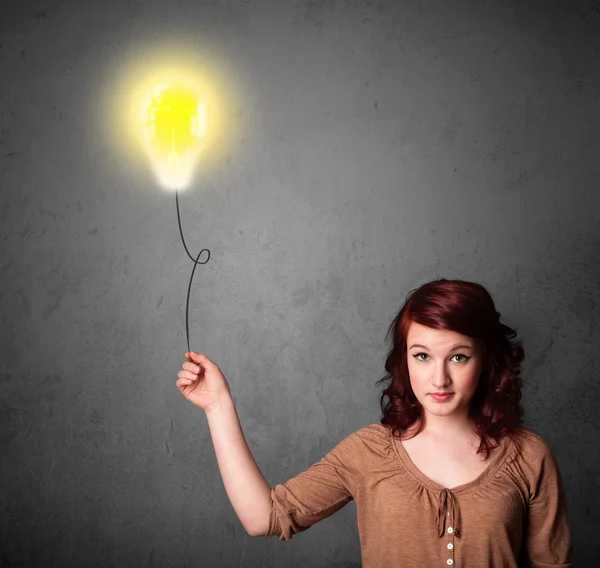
[495, 461]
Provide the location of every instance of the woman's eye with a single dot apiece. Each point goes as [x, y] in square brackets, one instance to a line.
[463, 360]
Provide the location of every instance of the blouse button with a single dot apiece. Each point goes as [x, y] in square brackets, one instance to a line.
[449, 561]
[450, 546]
[450, 529]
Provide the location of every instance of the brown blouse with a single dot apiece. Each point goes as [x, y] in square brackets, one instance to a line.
[513, 514]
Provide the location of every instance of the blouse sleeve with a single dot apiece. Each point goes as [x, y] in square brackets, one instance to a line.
[324, 488]
[548, 538]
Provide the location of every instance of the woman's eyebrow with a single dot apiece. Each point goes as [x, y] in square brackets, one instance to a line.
[459, 346]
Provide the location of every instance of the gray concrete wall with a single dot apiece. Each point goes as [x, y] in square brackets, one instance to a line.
[373, 146]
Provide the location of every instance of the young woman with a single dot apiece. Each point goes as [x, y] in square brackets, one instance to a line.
[450, 477]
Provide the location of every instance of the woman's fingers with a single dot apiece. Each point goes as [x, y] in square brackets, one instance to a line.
[191, 367]
[187, 375]
[191, 371]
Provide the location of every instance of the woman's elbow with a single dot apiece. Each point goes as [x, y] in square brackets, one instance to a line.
[257, 531]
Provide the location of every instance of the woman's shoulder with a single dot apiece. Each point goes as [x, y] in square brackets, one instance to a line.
[375, 437]
[361, 448]
[371, 432]
[535, 464]
[374, 433]
[376, 429]
[533, 452]
[530, 442]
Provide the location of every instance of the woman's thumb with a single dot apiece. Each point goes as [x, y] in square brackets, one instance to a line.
[201, 358]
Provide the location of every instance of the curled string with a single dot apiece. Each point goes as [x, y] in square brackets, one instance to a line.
[196, 261]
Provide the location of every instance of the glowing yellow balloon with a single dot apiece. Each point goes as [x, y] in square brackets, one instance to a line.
[173, 121]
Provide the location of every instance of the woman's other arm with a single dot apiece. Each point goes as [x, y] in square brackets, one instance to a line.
[548, 537]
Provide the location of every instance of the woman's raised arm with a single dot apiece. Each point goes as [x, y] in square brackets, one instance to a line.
[203, 384]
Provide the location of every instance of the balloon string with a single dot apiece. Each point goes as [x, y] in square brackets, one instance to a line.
[196, 262]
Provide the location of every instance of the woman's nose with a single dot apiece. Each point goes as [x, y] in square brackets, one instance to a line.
[441, 378]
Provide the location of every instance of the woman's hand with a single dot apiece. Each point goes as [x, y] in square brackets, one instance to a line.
[202, 382]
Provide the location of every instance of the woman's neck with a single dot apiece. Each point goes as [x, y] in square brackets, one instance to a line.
[448, 427]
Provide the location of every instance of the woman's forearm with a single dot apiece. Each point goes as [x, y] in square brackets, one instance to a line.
[246, 487]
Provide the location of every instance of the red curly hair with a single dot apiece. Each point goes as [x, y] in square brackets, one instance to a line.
[467, 308]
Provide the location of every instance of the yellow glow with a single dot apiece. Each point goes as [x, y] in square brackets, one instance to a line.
[173, 125]
[170, 108]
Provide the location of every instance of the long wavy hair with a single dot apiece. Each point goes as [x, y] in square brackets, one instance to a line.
[467, 308]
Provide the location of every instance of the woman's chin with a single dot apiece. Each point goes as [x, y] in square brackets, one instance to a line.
[443, 409]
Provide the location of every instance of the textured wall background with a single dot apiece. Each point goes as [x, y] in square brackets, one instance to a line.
[378, 145]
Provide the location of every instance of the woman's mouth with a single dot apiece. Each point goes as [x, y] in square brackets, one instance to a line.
[441, 397]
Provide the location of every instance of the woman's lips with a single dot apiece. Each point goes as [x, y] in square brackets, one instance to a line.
[441, 397]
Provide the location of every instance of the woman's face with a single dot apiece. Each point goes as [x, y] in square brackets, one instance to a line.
[442, 361]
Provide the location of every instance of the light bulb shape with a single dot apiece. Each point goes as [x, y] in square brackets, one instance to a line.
[173, 119]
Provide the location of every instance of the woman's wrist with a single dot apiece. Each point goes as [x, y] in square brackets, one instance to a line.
[223, 404]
